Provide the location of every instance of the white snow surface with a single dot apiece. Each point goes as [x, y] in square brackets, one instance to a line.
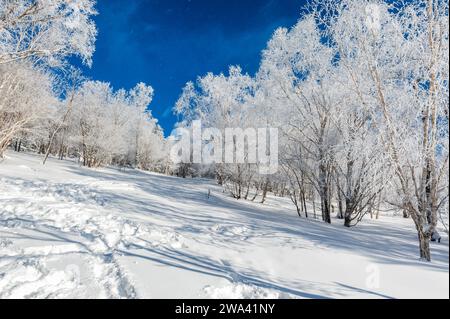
[72, 232]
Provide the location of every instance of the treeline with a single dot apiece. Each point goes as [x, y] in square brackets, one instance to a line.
[48, 107]
[359, 92]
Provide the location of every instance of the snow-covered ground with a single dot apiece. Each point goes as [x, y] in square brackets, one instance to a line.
[71, 232]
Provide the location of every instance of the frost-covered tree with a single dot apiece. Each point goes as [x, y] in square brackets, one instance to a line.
[140, 120]
[361, 165]
[26, 96]
[396, 57]
[35, 36]
[295, 72]
[114, 127]
[222, 102]
[46, 30]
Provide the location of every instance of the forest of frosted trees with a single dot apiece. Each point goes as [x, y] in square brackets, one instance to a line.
[358, 90]
[49, 107]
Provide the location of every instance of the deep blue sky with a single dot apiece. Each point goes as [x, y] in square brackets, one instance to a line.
[166, 43]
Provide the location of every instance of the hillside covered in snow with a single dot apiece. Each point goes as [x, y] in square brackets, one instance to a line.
[73, 232]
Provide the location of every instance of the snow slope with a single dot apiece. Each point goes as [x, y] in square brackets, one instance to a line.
[71, 232]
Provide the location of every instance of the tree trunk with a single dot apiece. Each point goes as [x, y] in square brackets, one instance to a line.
[377, 216]
[264, 194]
[256, 192]
[370, 209]
[348, 221]
[295, 199]
[424, 246]
[304, 203]
[247, 192]
[348, 213]
[324, 194]
[340, 206]
[314, 205]
[405, 213]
